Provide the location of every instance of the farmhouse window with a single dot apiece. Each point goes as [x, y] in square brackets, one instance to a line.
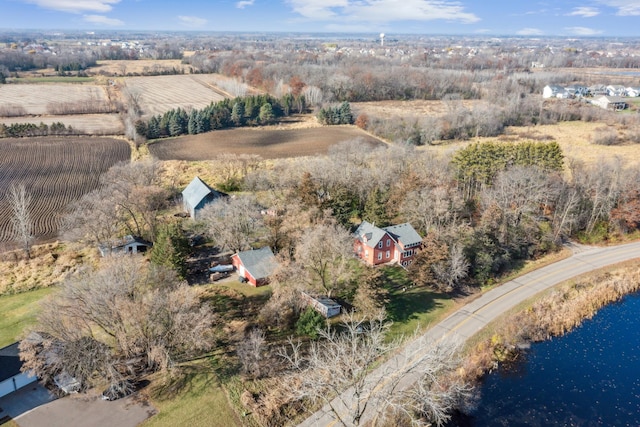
[379, 255]
[380, 244]
[388, 242]
[407, 254]
[388, 254]
[366, 252]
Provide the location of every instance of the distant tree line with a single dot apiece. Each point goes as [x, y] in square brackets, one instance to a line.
[31, 129]
[242, 111]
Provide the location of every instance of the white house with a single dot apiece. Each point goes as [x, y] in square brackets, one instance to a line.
[616, 90]
[554, 91]
[615, 103]
[597, 90]
[577, 91]
[633, 91]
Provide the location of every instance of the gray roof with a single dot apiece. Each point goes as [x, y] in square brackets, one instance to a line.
[196, 192]
[404, 233]
[260, 263]
[10, 362]
[614, 99]
[369, 234]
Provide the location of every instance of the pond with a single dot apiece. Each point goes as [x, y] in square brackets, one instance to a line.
[590, 377]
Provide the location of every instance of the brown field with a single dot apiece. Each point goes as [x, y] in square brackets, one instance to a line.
[55, 171]
[266, 142]
[123, 67]
[605, 76]
[384, 109]
[160, 94]
[37, 99]
[90, 124]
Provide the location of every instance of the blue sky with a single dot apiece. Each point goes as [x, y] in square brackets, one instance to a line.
[495, 17]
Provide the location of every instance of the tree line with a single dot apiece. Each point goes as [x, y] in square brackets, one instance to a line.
[15, 130]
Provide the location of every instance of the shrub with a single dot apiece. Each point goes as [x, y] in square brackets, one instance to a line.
[605, 136]
[309, 323]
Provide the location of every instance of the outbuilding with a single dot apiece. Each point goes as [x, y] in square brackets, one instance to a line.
[323, 305]
[11, 376]
[197, 195]
[255, 266]
[127, 245]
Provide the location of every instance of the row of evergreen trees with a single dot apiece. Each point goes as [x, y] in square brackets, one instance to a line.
[16, 130]
[241, 111]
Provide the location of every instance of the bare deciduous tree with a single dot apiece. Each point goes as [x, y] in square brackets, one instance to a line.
[250, 352]
[20, 202]
[124, 319]
[336, 370]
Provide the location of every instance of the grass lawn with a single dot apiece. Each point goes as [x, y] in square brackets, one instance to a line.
[200, 401]
[18, 312]
[413, 307]
[51, 79]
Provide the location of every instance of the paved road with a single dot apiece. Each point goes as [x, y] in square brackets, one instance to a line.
[468, 320]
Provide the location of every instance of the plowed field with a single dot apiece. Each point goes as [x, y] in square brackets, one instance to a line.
[55, 172]
[268, 143]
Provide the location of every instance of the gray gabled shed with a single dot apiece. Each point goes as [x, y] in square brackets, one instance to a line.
[197, 195]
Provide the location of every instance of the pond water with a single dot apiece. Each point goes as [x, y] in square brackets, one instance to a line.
[590, 377]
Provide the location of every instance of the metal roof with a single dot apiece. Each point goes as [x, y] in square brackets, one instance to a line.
[369, 234]
[404, 234]
[260, 263]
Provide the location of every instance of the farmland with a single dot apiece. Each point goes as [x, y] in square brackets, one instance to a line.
[55, 171]
[268, 143]
[159, 94]
[89, 124]
[38, 99]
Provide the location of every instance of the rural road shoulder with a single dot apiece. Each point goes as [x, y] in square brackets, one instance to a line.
[471, 318]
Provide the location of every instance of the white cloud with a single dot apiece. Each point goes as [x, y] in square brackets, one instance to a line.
[530, 32]
[103, 20]
[244, 3]
[583, 31]
[192, 21]
[76, 6]
[625, 7]
[585, 12]
[380, 11]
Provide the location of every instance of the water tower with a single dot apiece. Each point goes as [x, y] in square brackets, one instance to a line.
[381, 39]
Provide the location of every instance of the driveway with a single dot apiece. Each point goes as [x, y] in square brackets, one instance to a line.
[34, 407]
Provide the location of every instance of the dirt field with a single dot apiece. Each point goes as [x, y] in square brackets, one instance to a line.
[55, 171]
[35, 99]
[91, 124]
[160, 94]
[268, 143]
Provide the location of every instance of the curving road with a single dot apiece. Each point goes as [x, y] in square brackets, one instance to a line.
[468, 320]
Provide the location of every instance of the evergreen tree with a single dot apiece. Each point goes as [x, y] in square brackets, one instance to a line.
[345, 115]
[171, 249]
[237, 113]
[266, 114]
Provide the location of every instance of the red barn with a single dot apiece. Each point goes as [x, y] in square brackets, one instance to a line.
[396, 244]
[255, 266]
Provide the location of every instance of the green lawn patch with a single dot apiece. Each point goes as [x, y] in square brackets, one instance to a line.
[412, 307]
[199, 400]
[18, 312]
[51, 79]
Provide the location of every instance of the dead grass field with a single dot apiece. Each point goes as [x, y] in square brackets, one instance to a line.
[385, 109]
[160, 94]
[55, 171]
[266, 142]
[34, 99]
[139, 66]
[606, 76]
[90, 124]
[574, 139]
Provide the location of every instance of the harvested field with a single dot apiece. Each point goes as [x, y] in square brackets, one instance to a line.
[55, 171]
[160, 94]
[90, 124]
[268, 143]
[39, 99]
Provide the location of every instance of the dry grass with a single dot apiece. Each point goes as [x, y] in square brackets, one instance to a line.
[574, 139]
[414, 108]
[138, 66]
[89, 124]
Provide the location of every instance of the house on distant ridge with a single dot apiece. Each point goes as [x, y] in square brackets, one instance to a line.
[554, 91]
[614, 103]
[255, 266]
[197, 195]
[396, 244]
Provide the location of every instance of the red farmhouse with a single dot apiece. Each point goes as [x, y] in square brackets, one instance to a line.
[396, 244]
